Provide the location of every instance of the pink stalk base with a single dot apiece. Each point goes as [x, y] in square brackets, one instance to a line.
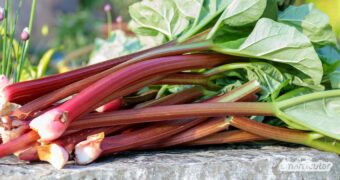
[51, 124]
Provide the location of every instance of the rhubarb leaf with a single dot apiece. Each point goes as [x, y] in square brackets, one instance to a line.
[240, 13]
[189, 8]
[159, 16]
[311, 22]
[319, 112]
[271, 10]
[277, 42]
[208, 12]
[270, 78]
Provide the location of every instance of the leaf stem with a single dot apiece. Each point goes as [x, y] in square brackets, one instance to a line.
[226, 67]
[308, 97]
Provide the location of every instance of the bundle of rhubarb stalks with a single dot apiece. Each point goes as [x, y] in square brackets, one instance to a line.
[225, 72]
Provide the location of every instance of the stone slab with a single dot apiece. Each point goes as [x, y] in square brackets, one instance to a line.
[216, 162]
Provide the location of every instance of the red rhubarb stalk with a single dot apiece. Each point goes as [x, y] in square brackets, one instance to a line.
[190, 78]
[130, 101]
[87, 151]
[47, 100]
[163, 113]
[226, 137]
[20, 143]
[203, 129]
[105, 119]
[185, 96]
[53, 123]
[23, 92]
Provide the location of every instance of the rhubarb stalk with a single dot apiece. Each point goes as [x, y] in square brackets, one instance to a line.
[87, 151]
[163, 113]
[311, 139]
[53, 123]
[20, 143]
[226, 137]
[185, 96]
[23, 92]
[190, 78]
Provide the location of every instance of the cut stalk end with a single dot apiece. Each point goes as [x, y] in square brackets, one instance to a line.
[89, 150]
[50, 125]
[56, 155]
[8, 135]
[6, 107]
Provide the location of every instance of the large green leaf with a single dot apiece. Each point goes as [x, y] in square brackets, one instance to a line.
[311, 21]
[240, 13]
[319, 112]
[160, 16]
[277, 42]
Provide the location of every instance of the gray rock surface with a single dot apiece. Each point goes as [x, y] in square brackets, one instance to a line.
[217, 162]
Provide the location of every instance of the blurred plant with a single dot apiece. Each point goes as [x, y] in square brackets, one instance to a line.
[331, 8]
[15, 63]
[76, 30]
[107, 10]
